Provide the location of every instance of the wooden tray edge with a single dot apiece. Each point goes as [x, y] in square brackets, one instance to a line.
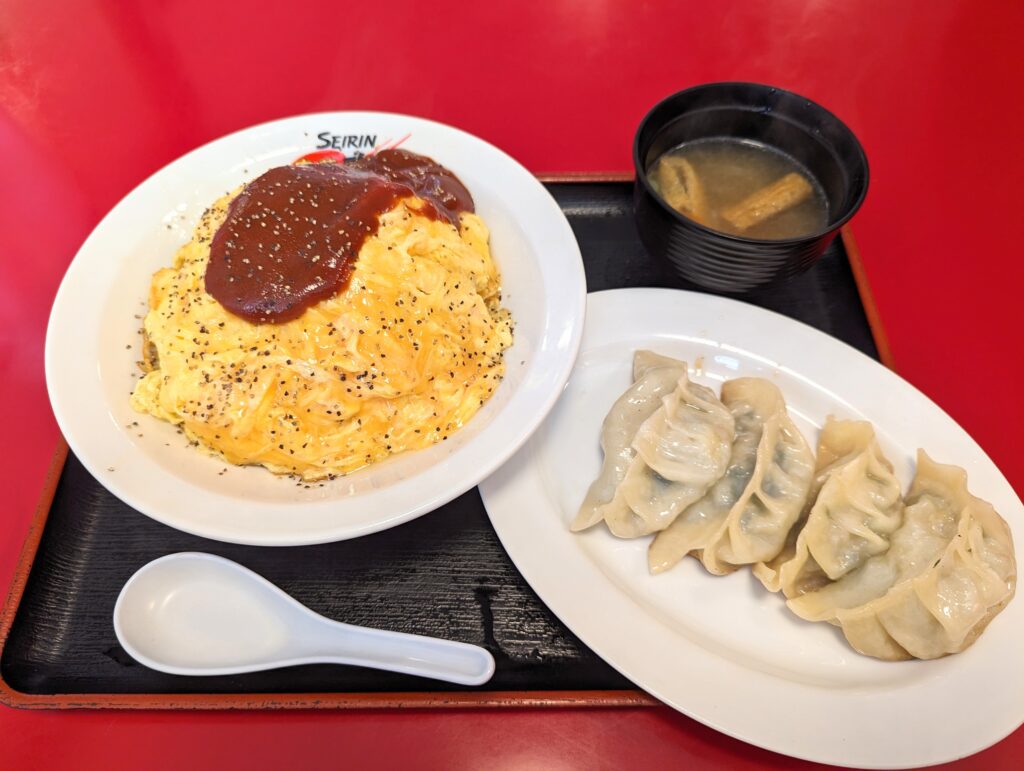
[316, 701]
[867, 299]
[26, 558]
[585, 176]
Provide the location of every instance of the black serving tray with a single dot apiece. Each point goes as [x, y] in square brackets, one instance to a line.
[444, 574]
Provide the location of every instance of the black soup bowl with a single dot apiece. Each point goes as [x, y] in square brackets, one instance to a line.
[798, 127]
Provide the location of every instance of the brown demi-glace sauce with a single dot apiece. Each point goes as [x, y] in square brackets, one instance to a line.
[292, 236]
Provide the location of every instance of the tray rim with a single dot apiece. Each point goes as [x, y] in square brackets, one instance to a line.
[481, 699]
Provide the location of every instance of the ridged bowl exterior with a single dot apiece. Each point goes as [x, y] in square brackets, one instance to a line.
[715, 262]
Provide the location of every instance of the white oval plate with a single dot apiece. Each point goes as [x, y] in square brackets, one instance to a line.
[724, 650]
[90, 368]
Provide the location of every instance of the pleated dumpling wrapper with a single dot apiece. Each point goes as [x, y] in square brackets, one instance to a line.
[666, 441]
[747, 515]
[949, 571]
[854, 507]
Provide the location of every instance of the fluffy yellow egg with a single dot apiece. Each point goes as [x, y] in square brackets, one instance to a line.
[398, 360]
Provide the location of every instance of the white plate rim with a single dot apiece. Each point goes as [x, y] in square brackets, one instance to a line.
[559, 351]
[565, 580]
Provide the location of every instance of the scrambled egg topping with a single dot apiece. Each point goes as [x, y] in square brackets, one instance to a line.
[397, 361]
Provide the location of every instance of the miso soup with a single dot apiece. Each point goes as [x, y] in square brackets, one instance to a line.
[742, 188]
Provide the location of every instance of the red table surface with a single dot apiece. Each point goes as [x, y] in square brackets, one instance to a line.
[95, 96]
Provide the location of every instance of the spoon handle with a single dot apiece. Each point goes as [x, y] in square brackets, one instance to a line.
[455, 662]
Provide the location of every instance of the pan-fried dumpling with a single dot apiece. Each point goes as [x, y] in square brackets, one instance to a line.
[949, 571]
[666, 440]
[654, 377]
[857, 506]
[745, 517]
[681, 450]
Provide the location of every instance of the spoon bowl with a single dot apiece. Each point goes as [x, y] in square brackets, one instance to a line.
[198, 614]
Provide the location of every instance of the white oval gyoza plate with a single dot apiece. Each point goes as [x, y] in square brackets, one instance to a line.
[93, 341]
[723, 649]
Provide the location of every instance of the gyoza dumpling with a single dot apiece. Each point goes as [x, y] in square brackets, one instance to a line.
[746, 516]
[854, 508]
[949, 571]
[654, 377]
[681, 450]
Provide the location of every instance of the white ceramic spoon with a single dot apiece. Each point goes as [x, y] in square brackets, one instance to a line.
[199, 614]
